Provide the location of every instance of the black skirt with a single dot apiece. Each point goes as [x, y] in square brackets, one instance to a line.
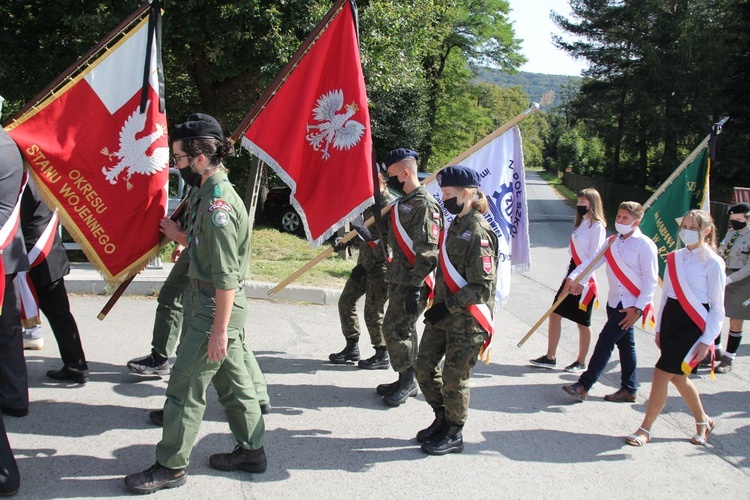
[677, 336]
[569, 308]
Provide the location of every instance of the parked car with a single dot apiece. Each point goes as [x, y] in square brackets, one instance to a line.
[279, 212]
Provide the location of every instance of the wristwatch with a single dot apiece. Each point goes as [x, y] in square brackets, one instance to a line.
[639, 312]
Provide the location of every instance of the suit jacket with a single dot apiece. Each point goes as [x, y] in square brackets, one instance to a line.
[35, 215]
[11, 174]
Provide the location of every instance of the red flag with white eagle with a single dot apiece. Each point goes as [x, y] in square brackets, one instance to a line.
[96, 144]
[313, 128]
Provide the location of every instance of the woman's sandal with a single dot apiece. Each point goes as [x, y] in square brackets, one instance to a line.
[710, 425]
[636, 440]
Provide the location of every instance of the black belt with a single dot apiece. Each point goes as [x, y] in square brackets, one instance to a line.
[201, 283]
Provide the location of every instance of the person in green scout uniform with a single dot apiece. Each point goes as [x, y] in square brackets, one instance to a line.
[218, 245]
[368, 279]
[468, 253]
[416, 221]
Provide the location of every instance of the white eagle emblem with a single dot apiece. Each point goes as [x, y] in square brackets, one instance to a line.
[132, 154]
[337, 129]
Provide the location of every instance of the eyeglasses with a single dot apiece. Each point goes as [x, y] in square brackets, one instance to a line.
[175, 158]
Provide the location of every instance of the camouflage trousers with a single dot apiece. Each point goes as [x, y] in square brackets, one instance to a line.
[375, 290]
[449, 388]
[400, 328]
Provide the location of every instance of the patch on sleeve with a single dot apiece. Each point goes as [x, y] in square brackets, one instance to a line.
[436, 215]
[435, 231]
[405, 208]
[220, 218]
[466, 235]
[487, 263]
[220, 205]
[484, 242]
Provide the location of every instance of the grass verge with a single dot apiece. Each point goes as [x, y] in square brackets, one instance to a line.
[556, 182]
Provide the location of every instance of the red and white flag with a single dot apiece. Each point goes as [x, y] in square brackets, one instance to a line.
[97, 148]
[315, 130]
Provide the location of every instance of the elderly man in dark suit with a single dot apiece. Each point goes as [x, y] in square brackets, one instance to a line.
[47, 278]
[14, 388]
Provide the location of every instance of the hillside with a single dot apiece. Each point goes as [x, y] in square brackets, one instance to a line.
[534, 84]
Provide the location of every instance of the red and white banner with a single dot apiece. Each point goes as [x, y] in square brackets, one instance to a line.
[100, 154]
[315, 131]
[590, 293]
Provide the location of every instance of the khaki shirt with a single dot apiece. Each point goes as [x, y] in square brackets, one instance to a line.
[739, 255]
[219, 236]
[374, 257]
[422, 219]
[471, 246]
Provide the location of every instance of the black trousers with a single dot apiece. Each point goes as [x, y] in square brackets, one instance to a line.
[53, 302]
[9, 478]
[14, 383]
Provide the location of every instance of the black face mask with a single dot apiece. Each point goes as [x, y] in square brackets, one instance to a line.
[738, 225]
[582, 210]
[190, 177]
[452, 206]
[394, 183]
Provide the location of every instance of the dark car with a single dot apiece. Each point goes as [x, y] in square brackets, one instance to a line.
[279, 212]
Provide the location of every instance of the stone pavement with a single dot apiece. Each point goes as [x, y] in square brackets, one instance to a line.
[330, 436]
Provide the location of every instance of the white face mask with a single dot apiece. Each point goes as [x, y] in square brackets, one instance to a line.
[623, 229]
[689, 236]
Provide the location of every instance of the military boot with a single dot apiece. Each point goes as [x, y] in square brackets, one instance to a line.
[407, 387]
[435, 428]
[385, 389]
[449, 441]
[350, 352]
[378, 361]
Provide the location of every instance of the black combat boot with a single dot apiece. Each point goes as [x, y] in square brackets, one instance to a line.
[379, 361]
[385, 389]
[240, 459]
[435, 428]
[350, 352]
[407, 387]
[449, 441]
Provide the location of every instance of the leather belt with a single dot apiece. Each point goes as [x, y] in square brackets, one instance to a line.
[201, 283]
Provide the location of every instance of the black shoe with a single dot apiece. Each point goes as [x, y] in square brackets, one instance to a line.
[543, 362]
[69, 374]
[14, 412]
[265, 408]
[450, 441]
[240, 459]
[378, 361]
[157, 418]
[435, 428]
[150, 365]
[385, 389]
[407, 387]
[350, 353]
[155, 478]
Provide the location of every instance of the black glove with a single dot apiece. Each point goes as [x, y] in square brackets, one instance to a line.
[358, 273]
[340, 246]
[435, 313]
[411, 303]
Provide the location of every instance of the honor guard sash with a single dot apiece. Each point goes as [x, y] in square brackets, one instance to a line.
[591, 288]
[625, 276]
[8, 231]
[29, 300]
[406, 245]
[455, 282]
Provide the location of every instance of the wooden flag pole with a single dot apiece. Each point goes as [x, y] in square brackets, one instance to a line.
[646, 206]
[547, 98]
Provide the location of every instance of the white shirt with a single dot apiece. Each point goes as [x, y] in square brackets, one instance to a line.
[704, 270]
[589, 237]
[639, 254]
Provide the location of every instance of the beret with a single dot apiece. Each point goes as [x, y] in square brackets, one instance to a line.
[198, 126]
[399, 154]
[459, 176]
[740, 208]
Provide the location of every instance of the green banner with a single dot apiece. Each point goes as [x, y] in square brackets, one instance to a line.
[685, 193]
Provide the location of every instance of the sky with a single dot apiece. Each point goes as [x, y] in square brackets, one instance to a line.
[533, 25]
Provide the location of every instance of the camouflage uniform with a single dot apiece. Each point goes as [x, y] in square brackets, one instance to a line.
[372, 286]
[422, 219]
[471, 246]
[219, 250]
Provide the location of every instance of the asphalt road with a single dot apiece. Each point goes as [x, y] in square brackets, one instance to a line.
[330, 436]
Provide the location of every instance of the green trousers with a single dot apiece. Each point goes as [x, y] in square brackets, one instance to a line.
[193, 371]
[375, 289]
[400, 328]
[169, 326]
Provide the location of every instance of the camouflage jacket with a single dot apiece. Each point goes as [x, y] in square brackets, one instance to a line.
[372, 255]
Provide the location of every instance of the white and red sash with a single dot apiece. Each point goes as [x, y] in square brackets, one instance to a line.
[406, 245]
[692, 307]
[591, 289]
[29, 300]
[455, 282]
[625, 276]
[7, 232]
